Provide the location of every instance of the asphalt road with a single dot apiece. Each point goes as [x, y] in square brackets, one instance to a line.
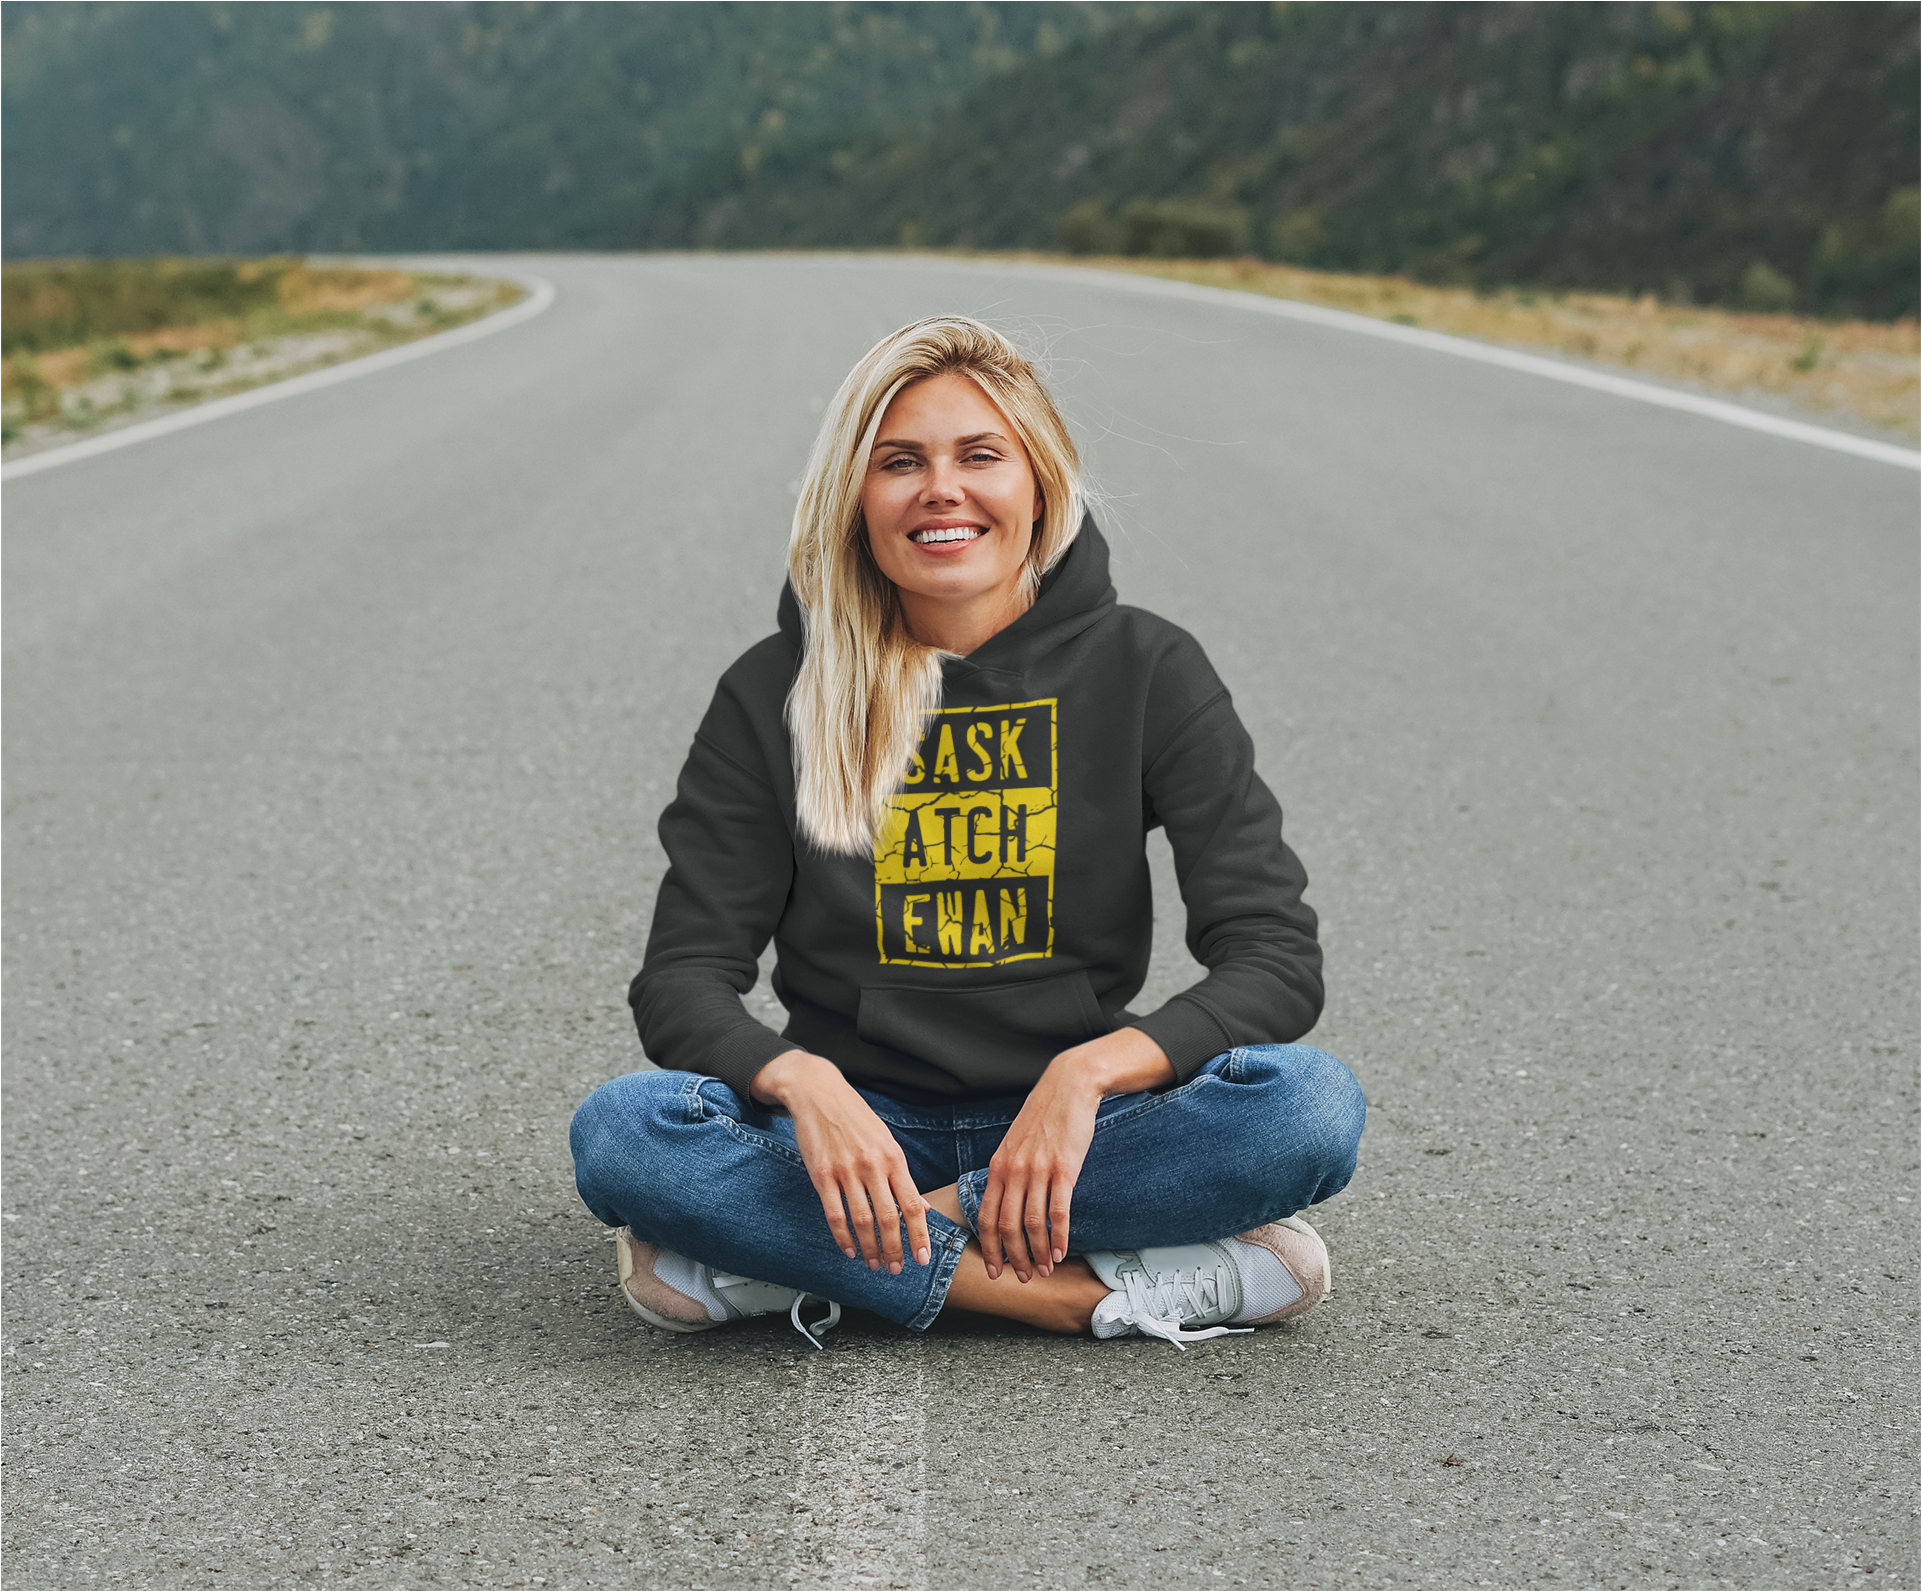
[335, 736]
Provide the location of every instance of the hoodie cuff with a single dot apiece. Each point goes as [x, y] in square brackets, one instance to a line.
[740, 1054]
[1188, 1032]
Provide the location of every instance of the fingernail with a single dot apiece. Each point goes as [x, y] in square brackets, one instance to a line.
[921, 1255]
[1059, 1255]
[893, 1267]
[873, 1265]
[848, 1252]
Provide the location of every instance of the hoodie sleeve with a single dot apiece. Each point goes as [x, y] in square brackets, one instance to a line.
[1241, 884]
[730, 864]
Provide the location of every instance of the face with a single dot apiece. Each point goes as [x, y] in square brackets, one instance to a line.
[950, 501]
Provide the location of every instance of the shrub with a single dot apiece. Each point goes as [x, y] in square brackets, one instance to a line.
[1873, 268]
[1901, 216]
[39, 398]
[1086, 229]
[1765, 290]
[1175, 229]
[114, 354]
[1296, 235]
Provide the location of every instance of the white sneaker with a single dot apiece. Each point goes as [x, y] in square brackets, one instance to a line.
[1194, 1291]
[670, 1291]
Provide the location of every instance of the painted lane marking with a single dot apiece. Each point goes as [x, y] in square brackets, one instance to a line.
[1535, 365]
[540, 294]
[860, 1503]
[1481, 353]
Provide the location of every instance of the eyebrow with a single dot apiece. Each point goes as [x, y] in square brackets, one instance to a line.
[965, 441]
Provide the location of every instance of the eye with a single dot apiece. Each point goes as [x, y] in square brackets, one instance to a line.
[899, 459]
[982, 456]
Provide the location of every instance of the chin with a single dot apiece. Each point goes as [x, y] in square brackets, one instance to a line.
[955, 589]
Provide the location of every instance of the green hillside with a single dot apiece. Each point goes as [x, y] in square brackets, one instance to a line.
[1765, 154]
[1759, 155]
[262, 128]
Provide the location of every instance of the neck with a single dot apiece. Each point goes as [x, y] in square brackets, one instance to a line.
[961, 627]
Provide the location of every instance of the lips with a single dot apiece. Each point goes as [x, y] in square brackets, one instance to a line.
[943, 535]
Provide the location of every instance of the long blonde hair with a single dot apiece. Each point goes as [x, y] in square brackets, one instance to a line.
[865, 684]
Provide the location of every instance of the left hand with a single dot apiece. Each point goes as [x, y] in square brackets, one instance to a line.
[1026, 1207]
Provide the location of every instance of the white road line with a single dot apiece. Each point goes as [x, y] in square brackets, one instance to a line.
[540, 294]
[860, 1503]
[1482, 353]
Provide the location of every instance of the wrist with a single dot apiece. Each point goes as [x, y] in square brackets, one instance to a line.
[1083, 1071]
[793, 1075]
[1125, 1061]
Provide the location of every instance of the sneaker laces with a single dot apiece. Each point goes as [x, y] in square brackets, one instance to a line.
[1155, 1305]
[719, 1280]
[821, 1327]
[813, 1333]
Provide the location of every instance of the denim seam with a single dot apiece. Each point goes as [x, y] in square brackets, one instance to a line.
[970, 1206]
[690, 1097]
[905, 1122]
[700, 1111]
[1154, 1102]
[983, 1123]
[903, 1117]
[945, 1263]
[760, 1140]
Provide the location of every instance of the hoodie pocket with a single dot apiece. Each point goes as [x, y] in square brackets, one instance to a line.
[1000, 1037]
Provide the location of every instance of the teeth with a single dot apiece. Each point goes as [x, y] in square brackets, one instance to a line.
[957, 533]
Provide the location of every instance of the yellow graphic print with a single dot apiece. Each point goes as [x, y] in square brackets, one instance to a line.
[964, 860]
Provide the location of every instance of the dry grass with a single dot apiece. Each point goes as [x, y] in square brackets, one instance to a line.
[309, 288]
[1867, 370]
[309, 316]
[67, 368]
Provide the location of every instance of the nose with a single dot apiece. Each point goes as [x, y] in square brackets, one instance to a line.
[943, 483]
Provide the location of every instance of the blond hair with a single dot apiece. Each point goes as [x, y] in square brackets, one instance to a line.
[856, 708]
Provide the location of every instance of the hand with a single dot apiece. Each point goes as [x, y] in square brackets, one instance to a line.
[1025, 1209]
[857, 1168]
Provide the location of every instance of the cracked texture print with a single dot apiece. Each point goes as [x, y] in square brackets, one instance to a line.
[964, 860]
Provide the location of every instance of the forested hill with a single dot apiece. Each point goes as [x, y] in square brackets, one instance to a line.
[1758, 154]
[246, 128]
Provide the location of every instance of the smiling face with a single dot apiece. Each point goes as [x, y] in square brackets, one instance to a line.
[950, 502]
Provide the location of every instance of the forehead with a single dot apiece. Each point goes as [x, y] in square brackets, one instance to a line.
[942, 406]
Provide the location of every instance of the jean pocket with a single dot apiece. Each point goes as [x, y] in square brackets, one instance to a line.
[773, 1142]
[1133, 1106]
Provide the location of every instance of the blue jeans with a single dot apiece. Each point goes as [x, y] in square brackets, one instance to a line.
[1254, 1135]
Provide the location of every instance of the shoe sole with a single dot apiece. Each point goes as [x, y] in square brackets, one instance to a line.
[625, 1264]
[662, 1321]
[1327, 1260]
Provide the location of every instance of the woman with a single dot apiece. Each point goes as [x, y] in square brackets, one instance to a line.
[931, 790]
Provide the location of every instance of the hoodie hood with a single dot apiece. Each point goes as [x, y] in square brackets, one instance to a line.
[1076, 593]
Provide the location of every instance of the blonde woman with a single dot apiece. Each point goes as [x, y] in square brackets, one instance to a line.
[931, 790]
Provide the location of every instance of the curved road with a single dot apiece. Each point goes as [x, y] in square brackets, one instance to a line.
[335, 734]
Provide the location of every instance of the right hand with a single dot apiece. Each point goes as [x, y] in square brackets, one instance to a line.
[857, 1168]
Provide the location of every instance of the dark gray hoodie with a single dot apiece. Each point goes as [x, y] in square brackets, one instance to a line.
[1006, 914]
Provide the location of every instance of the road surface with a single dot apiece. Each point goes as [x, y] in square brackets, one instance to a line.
[336, 731]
